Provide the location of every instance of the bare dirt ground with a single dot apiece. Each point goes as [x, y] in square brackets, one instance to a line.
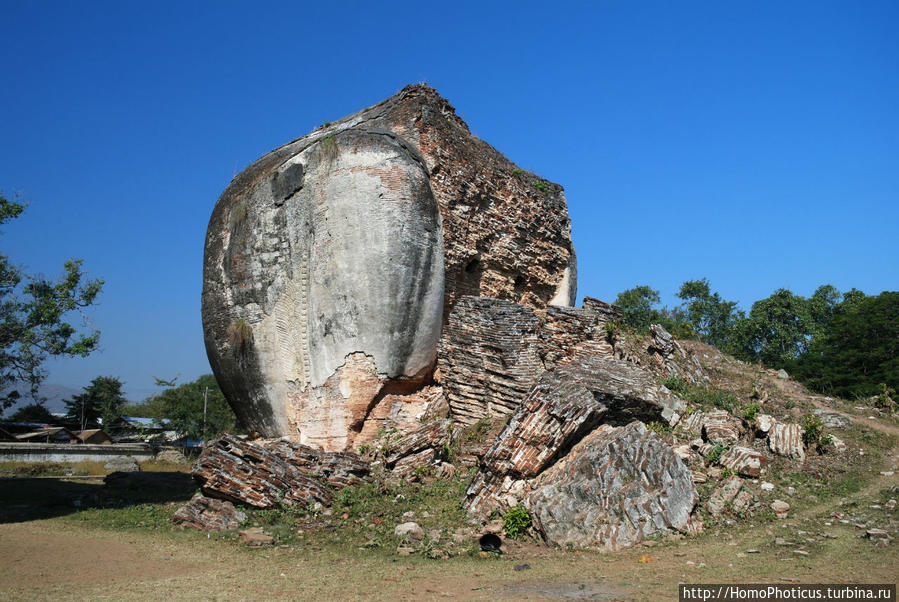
[57, 558]
[52, 550]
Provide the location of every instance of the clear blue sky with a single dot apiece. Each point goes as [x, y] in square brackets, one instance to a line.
[755, 144]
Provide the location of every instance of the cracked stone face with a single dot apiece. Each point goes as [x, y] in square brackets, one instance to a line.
[323, 280]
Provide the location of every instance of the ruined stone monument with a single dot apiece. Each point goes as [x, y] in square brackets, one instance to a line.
[390, 272]
[332, 262]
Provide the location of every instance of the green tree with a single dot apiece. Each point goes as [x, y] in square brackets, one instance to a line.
[822, 306]
[711, 317]
[860, 350]
[637, 307]
[102, 400]
[777, 330]
[34, 319]
[183, 406]
[34, 412]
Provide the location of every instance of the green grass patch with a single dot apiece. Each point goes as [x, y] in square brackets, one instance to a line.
[704, 396]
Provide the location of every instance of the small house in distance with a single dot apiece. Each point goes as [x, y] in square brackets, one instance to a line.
[50, 434]
[130, 429]
[94, 437]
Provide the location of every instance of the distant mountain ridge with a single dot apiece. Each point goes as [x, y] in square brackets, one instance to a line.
[54, 394]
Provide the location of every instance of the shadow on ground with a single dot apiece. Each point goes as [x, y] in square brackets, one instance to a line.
[24, 499]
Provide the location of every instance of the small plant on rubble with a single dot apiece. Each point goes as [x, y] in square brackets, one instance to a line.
[750, 411]
[516, 521]
[715, 454]
[813, 429]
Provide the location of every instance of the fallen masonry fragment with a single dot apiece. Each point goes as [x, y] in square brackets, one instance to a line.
[208, 514]
[280, 474]
[724, 494]
[786, 440]
[493, 351]
[744, 461]
[615, 488]
[565, 405]
[719, 427]
[432, 436]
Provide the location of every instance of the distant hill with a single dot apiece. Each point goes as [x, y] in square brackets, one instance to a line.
[55, 394]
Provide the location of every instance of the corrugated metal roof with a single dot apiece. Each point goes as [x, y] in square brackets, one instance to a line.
[147, 422]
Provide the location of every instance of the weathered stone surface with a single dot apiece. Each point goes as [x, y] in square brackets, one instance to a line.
[837, 444]
[284, 474]
[781, 508]
[566, 404]
[208, 514]
[832, 419]
[669, 358]
[331, 257]
[570, 331]
[608, 311]
[401, 411]
[702, 448]
[410, 530]
[716, 427]
[744, 461]
[616, 487]
[328, 261]
[693, 423]
[786, 440]
[723, 495]
[742, 501]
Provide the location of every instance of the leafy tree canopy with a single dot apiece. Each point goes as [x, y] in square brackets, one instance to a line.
[860, 350]
[183, 406]
[711, 317]
[101, 400]
[637, 306]
[34, 412]
[777, 330]
[35, 318]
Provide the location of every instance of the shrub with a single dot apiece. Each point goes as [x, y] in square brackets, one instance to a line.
[813, 429]
[477, 432]
[710, 396]
[658, 428]
[328, 148]
[540, 185]
[884, 400]
[613, 332]
[240, 335]
[715, 454]
[516, 521]
[751, 411]
[239, 214]
[675, 384]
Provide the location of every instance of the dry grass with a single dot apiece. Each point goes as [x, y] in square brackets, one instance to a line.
[240, 335]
